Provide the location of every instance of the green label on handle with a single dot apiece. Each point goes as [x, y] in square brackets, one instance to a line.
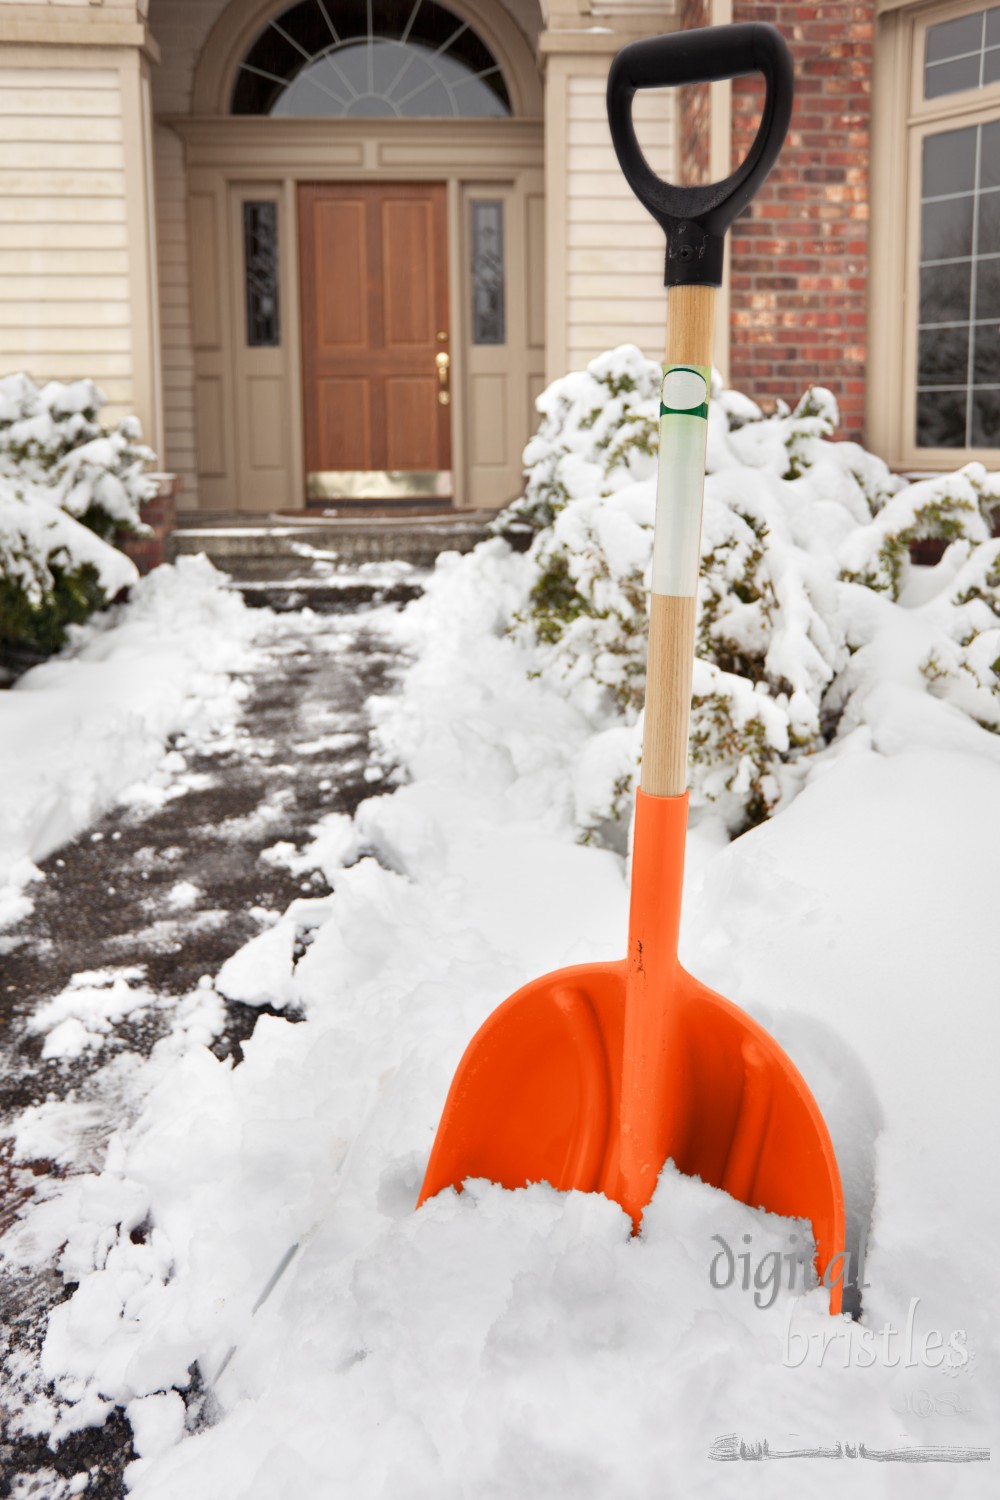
[685, 391]
[680, 479]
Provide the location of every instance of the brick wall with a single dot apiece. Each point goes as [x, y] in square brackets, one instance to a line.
[159, 513]
[798, 257]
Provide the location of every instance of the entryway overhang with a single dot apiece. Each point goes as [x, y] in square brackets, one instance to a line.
[317, 237]
[250, 401]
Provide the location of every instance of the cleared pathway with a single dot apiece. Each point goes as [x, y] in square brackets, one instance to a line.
[302, 749]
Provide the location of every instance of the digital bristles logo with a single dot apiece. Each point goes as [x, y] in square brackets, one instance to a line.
[842, 1340]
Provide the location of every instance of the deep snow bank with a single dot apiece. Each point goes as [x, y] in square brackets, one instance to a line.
[504, 1343]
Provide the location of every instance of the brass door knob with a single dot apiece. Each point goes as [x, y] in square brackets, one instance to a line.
[443, 362]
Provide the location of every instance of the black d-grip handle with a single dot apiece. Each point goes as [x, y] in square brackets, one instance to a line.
[696, 218]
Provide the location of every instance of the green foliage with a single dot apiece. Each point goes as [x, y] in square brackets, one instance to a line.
[793, 522]
[68, 490]
[718, 738]
[554, 600]
[73, 595]
[942, 519]
[595, 426]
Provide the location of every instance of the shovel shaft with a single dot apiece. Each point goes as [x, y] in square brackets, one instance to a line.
[677, 538]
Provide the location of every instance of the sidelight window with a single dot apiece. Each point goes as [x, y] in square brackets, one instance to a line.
[488, 313]
[260, 267]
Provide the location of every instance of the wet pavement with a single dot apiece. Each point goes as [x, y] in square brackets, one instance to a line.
[109, 900]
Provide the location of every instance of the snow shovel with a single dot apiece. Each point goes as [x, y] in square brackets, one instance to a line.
[592, 1076]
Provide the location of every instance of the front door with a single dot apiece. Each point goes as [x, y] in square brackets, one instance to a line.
[376, 351]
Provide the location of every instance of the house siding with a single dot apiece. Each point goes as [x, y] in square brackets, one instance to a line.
[614, 250]
[65, 290]
[181, 28]
[176, 339]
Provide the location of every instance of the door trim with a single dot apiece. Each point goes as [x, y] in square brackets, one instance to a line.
[227, 150]
[379, 362]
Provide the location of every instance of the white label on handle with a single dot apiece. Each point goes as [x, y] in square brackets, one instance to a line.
[680, 480]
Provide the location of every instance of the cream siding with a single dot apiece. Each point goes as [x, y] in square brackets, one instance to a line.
[181, 28]
[180, 450]
[64, 254]
[614, 250]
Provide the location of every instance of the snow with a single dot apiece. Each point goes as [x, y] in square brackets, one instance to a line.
[805, 561]
[98, 715]
[34, 531]
[499, 1343]
[84, 1013]
[183, 895]
[507, 1343]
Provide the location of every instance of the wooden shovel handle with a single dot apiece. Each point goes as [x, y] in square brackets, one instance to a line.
[690, 328]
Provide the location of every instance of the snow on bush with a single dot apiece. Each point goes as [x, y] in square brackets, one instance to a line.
[53, 436]
[805, 566]
[66, 486]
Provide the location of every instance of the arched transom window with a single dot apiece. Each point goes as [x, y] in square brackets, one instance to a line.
[402, 58]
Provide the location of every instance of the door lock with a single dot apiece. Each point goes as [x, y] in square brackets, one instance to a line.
[443, 362]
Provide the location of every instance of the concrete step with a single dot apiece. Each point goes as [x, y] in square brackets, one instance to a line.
[413, 539]
[326, 596]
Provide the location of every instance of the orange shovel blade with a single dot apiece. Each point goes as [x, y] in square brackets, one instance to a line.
[592, 1076]
[536, 1099]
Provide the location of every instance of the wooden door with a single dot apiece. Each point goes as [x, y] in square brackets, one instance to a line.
[374, 297]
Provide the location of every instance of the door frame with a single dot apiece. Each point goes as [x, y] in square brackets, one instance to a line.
[434, 193]
[236, 151]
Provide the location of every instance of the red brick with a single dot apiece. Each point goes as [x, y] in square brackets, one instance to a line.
[798, 258]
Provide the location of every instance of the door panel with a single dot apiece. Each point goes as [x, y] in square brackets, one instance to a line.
[374, 289]
[268, 445]
[411, 440]
[344, 420]
[407, 279]
[342, 322]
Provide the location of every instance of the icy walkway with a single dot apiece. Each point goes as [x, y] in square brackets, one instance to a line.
[157, 894]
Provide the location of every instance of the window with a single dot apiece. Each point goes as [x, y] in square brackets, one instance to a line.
[958, 345]
[260, 270]
[962, 54]
[369, 59]
[958, 292]
[934, 397]
[487, 271]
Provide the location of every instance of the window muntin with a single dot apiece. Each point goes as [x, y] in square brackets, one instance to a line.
[963, 53]
[488, 291]
[260, 270]
[370, 59]
[958, 333]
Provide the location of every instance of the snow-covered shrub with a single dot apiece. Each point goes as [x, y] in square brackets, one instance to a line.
[54, 571]
[66, 487]
[52, 436]
[598, 426]
[805, 561]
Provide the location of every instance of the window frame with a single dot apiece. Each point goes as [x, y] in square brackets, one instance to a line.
[266, 200]
[901, 118]
[496, 200]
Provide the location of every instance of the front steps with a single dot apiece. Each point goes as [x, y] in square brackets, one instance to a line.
[327, 564]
